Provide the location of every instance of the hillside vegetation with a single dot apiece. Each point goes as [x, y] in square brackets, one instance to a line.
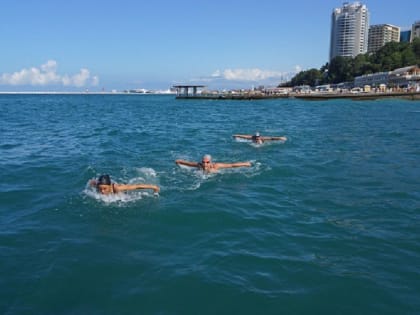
[343, 69]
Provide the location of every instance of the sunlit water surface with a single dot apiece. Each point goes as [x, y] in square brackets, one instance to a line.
[324, 223]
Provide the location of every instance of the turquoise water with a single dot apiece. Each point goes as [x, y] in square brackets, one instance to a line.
[325, 223]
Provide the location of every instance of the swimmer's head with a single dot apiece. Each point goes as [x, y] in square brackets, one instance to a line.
[206, 158]
[103, 180]
[257, 138]
[104, 185]
[206, 164]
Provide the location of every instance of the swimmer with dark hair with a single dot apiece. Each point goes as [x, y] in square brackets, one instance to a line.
[207, 166]
[105, 186]
[257, 138]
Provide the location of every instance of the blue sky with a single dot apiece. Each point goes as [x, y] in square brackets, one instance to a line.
[105, 45]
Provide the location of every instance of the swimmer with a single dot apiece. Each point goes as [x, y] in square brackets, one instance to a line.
[104, 186]
[207, 166]
[257, 138]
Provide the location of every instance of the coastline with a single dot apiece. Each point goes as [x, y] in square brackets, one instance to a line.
[78, 93]
[413, 96]
[360, 96]
[309, 96]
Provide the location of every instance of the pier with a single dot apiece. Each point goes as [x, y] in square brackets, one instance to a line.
[188, 91]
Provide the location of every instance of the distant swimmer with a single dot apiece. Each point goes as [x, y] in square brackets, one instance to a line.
[104, 186]
[207, 166]
[257, 138]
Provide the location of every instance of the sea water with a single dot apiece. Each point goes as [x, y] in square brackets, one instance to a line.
[324, 223]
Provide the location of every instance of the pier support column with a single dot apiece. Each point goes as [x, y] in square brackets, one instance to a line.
[183, 91]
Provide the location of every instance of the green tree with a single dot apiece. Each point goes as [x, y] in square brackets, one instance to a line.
[415, 46]
[340, 70]
[361, 65]
[408, 57]
[391, 56]
[309, 77]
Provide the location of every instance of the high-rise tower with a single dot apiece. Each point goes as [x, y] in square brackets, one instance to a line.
[349, 30]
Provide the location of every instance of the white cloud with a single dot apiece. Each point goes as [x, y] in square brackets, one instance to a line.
[47, 74]
[216, 74]
[50, 66]
[248, 74]
[244, 78]
[79, 79]
[298, 69]
[95, 80]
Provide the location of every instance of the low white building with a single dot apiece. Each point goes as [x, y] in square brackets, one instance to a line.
[372, 79]
[407, 76]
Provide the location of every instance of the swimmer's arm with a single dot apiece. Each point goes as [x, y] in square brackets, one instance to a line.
[275, 138]
[242, 136]
[120, 188]
[187, 163]
[231, 165]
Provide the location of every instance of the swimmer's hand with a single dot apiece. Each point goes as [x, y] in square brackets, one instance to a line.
[156, 190]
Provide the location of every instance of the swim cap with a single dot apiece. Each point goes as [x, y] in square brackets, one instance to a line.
[207, 157]
[103, 180]
[257, 134]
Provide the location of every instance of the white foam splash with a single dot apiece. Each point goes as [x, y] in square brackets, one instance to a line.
[242, 140]
[147, 171]
[118, 198]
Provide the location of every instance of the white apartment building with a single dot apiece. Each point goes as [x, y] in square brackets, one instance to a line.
[349, 30]
[415, 31]
[381, 34]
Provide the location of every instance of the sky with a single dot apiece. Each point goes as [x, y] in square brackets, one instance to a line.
[104, 45]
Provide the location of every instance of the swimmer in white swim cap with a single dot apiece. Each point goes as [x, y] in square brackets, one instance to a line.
[207, 166]
[257, 138]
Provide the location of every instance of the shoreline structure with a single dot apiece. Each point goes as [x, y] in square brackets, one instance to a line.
[306, 96]
[191, 92]
[403, 83]
[252, 95]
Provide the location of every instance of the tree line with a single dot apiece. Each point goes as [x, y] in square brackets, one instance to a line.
[392, 56]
